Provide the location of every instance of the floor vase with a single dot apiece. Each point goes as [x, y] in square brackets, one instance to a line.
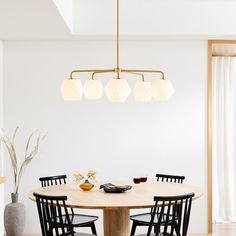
[14, 217]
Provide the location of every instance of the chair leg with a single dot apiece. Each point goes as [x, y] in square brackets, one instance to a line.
[155, 229]
[177, 230]
[93, 228]
[133, 229]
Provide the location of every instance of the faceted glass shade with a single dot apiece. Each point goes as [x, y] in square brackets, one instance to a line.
[162, 90]
[117, 90]
[93, 89]
[142, 91]
[71, 89]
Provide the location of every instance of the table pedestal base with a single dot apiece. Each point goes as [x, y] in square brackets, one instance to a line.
[116, 222]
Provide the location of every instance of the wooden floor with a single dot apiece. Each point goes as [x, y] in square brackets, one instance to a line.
[218, 230]
[224, 229]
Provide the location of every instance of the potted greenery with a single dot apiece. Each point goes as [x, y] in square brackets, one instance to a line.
[14, 214]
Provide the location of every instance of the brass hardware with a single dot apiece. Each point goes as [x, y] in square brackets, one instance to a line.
[100, 72]
[135, 73]
[90, 70]
[118, 70]
[146, 71]
[118, 34]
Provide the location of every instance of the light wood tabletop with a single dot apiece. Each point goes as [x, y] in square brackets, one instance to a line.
[116, 206]
[2, 180]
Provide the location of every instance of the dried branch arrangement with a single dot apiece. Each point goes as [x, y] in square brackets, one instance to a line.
[91, 175]
[30, 153]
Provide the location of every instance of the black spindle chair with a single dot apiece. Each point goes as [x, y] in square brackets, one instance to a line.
[77, 220]
[54, 217]
[170, 178]
[168, 218]
[144, 218]
[52, 180]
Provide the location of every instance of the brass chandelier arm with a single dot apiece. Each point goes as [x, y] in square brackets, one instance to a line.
[145, 71]
[90, 70]
[117, 70]
[100, 72]
[134, 73]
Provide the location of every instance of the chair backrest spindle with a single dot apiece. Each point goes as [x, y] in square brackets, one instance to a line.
[170, 178]
[52, 180]
[173, 215]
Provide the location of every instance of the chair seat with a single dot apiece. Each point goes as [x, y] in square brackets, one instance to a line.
[161, 234]
[83, 234]
[79, 219]
[145, 218]
[146, 234]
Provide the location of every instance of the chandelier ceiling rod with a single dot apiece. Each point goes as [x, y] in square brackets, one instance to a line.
[118, 38]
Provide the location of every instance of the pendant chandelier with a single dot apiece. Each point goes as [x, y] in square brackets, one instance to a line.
[117, 89]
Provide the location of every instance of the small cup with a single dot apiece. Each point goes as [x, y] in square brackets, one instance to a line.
[137, 180]
[143, 179]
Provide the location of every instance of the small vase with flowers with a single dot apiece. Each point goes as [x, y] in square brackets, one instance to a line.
[86, 185]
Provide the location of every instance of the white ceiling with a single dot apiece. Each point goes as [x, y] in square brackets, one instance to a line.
[171, 19]
[30, 19]
[163, 18]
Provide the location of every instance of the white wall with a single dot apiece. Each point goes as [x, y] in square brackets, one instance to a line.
[1, 125]
[117, 140]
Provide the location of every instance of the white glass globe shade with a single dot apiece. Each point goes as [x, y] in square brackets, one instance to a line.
[93, 89]
[72, 89]
[142, 91]
[162, 90]
[117, 90]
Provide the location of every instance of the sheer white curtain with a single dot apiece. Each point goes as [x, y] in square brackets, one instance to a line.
[224, 139]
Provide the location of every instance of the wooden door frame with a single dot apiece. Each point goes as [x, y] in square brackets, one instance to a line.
[209, 125]
[209, 134]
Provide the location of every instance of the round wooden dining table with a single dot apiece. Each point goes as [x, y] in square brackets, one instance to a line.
[2, 180]
[116, 206]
